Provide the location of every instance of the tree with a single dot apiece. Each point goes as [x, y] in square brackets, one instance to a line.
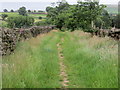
[5, 10]
[29, 10]
[82, 15]
[20, 21]
[40, 11]
[11, 10]
[49, 8]
[104, 20]
[117, 21]
[40, 17]
[4, 16]
[34, 11]
[22, 11]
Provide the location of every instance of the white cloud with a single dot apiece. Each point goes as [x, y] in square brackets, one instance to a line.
[70, 1]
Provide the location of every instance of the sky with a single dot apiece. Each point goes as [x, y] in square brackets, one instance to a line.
[39, 4]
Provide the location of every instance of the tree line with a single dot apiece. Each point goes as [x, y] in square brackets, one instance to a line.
[40, 11]
[85, 15]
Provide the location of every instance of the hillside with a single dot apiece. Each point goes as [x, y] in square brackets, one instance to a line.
[112, 9]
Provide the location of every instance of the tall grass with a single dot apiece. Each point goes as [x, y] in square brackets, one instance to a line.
[34, 64]
[91, 62]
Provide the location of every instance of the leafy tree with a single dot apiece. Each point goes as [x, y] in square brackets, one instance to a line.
[41, 23]
[40, 17]
[34, 11]
[20, 21]
[11, 10]
[82, 15]
[104, 20]
[29, 10]
[117, 21]
[5, 10]
[49, 8]
[22, 11]
[4, 16]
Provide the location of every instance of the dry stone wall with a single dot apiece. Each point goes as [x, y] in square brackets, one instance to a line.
[10, 37]
[113, 33]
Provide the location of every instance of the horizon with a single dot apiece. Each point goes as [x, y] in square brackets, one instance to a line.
[32, 5]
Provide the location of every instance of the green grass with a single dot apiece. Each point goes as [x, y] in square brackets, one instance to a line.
[34, 65]
[91, 62]
[3, 23]
[35, 16]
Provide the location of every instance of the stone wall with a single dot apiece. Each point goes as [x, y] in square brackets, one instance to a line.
[113, 33]
[10, 37]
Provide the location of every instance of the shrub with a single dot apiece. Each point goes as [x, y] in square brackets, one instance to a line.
[40, 17]
[22, 11]
[41, 23]
[20, 21]
[4, 16]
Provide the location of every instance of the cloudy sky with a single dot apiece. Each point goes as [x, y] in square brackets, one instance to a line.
[70, 1]
[39, 4]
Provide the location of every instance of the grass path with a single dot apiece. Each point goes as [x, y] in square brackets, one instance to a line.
[62, 60]
[63, 73]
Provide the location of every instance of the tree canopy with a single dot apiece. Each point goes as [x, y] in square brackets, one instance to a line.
[22, 11]
[81, 15]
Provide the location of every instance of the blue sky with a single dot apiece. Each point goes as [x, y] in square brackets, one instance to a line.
[39, 4]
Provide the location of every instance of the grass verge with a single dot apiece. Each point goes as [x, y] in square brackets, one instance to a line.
[34, 64]
[92, 62]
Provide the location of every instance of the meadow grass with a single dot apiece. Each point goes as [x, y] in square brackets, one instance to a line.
[92, 62]
[13, 14]
[34, 64]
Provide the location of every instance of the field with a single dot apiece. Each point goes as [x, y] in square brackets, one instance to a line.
[112, 9]
[35, 16]
[67, 59]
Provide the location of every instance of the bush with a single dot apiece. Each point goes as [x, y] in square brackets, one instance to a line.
[40, 17]
[22, 11]
[20, 21]
[41, 23]
[4, 16]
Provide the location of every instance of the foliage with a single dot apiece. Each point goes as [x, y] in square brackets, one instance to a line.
[5, 10]
[29, 10]
[4, 16]
[20, 21]
[40, 17]
[41, 23]
[22, 11]
[11, 10]
[104, 20]
[81, 15]
[116, 21]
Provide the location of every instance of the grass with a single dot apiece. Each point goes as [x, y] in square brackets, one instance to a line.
[34, 64]
[35, 16]
[91, 62]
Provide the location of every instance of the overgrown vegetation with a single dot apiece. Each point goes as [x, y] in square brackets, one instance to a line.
[85, 15]
[20, 21]
[91, 62]
[34, 64]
